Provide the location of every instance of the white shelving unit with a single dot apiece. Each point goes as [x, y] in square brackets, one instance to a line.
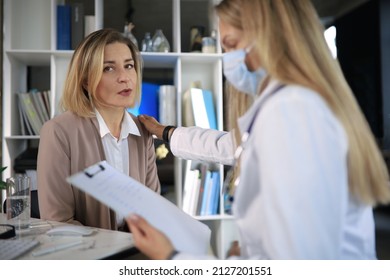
[30, 40]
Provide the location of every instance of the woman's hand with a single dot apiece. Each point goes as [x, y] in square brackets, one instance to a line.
[152, 125]
[234, 249]
[148, 239]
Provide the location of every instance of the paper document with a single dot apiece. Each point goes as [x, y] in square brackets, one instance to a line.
[126, 196]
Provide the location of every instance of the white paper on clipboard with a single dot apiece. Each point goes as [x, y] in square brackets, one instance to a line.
[125, 195]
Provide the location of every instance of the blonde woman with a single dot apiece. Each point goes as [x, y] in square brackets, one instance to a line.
[103, 80]
[310, 171]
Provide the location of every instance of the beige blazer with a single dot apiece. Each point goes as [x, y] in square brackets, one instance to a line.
[68, 144]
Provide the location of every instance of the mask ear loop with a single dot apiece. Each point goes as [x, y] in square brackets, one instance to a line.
[247, 51]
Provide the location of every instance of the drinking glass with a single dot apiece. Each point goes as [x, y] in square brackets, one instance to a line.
[18, 201]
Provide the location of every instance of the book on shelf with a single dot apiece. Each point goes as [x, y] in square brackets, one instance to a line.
[215, 194]
[25, 127]
[64, 27]
[89, 24]
[167, 105]
[188, 114]
[206, 193]
[188, 178]
[77, 24]
[35, 102]
[39, 103]
[189, 190]
[203, 172]
[21, 119]
[46, 99]
[201, 191]
[187, 111]
[203, 107]
[211, 194]
[198, 108]
[33, 111]
[30, 112]
[149, 101]
[195, 192]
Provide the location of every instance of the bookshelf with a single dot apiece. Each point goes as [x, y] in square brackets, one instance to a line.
[30, 41]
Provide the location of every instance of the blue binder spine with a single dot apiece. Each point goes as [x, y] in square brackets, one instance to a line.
[63, 27]
[209, 104]
[216, 193]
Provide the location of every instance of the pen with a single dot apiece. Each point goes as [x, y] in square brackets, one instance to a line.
[56, 248]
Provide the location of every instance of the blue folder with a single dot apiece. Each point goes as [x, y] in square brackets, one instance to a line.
[149, 101]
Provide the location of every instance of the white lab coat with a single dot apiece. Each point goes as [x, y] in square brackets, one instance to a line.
[293, 201]
[203, 144]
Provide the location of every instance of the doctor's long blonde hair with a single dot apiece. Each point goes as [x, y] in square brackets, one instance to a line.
[291, 46]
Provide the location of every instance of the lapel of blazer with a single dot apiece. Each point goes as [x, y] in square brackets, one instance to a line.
[95, 123]
[133, 156]
[111, 214]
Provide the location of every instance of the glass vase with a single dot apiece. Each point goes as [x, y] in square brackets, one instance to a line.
[160, 42]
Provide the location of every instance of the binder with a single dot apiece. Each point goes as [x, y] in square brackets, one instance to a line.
[63, 27]
[149, 101]
[215, 193]
[77, 24]
[188, 114]
[203, 108]
[206, 193]
[211, 194]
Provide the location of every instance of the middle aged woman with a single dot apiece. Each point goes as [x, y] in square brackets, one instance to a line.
[103, 80]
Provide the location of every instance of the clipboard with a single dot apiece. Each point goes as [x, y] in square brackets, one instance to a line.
[126, 196]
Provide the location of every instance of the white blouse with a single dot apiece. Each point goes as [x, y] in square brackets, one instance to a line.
[117, 150]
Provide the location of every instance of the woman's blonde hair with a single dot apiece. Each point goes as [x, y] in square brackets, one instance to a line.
[242, 101]
[86, 69]
[291, 46]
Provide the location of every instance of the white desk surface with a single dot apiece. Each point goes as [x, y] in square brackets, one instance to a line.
[101, 244]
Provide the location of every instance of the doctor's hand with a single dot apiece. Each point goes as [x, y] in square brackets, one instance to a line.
[152, 125]
[234, 249]
[150, 241]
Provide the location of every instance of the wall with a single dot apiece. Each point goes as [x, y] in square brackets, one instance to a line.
[384, 29]
[358, 48]
[363, 43]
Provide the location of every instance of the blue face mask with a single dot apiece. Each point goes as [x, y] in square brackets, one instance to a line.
[237, 73]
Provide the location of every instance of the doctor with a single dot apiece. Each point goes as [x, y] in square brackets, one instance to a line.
[310, 171]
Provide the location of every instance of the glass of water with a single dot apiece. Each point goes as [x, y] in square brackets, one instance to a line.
[18, 201]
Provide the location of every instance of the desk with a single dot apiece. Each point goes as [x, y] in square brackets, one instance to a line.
[102, 244]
